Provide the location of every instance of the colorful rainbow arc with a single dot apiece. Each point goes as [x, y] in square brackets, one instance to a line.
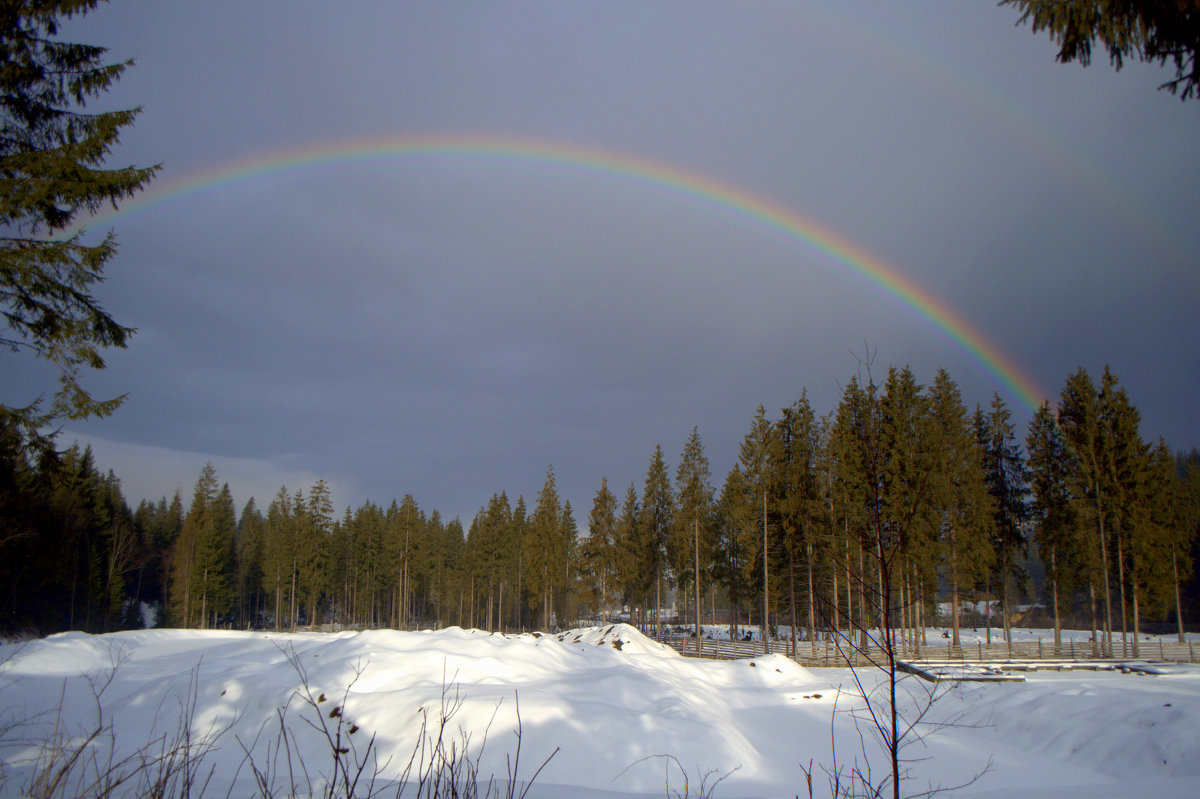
[722, 196]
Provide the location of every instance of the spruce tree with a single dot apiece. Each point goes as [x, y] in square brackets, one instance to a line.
[250, 530]
[1161, 560]
[626, 537]
[654, 529]
[1086, 439]
[1007, 479]
[798, 502]
[279, 557]
[691, 545]
[197, 560]
[907, 524]
[51, 157]
[850, 498]
[959, 495]
[1148, 30]
[752, 511]
[599, 550]
[543, 557]
[403, 528]
[1187, 532]
[569, 547]
[1125, 468]
[520, 529]
[730, 567]
[1055, 528]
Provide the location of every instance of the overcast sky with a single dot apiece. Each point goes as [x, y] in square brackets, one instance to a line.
[449, 327]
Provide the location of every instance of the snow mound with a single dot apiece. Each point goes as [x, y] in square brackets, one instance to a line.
[621, 637]
[618, 712]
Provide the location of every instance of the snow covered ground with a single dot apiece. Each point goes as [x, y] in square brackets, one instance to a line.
[609, 700]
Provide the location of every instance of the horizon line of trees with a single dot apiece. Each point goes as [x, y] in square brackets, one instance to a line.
[1112, 521]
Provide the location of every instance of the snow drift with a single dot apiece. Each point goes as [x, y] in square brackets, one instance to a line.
[609, 704]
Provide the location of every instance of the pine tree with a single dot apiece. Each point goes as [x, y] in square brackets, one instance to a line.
[1125, 468]
[490, 548]
[1187, 531]
[907, 523]
[850, 496]
[691, 539]
[654, 528]
[516, 537]
[368, 567]
[960, 497]
[1056, 529]
[120, 551]
[751, 510]
[51, 153]
[1007, 479]
[905, 462]
[1160, 561]
[543, 558]
[799, 502]
[279, 558]
[569, 544]
[1085, 436]
[1148, 31]
[250, 531]
[599, 551]
[200, 560]
[625, 542]
[403, 528]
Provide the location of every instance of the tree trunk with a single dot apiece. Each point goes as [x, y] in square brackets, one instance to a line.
[792, 595]
[1178, 606]
[849, 591]
[712, 603]
[1121, 582]
[696, 543]
[1006, 610]
[1136, 623]
[812, 601]
[920, 609]
[954, 610]
[1107, 593]
[292, 600]
[1095, 631]
[1054, 594]
[987, 616]
[835, 618]
[491, 610]
[864, 609]
[766, 580]
[658, 607]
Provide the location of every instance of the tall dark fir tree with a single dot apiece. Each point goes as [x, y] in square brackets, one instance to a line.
[1007, 477]
[51, 172]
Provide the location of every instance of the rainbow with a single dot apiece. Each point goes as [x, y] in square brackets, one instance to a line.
[721, 196]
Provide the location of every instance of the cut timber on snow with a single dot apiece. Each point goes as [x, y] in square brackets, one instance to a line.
[959, 674]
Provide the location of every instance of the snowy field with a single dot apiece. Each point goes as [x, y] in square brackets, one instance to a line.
[611, 702]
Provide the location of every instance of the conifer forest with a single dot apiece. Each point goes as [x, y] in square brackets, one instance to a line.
[1083, 520]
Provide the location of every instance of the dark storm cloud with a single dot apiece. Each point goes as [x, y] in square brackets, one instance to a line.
[450, 328]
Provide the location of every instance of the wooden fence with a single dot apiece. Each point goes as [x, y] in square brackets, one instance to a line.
[825, 653]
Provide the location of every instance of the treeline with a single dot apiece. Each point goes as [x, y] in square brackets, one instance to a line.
[898, 500]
